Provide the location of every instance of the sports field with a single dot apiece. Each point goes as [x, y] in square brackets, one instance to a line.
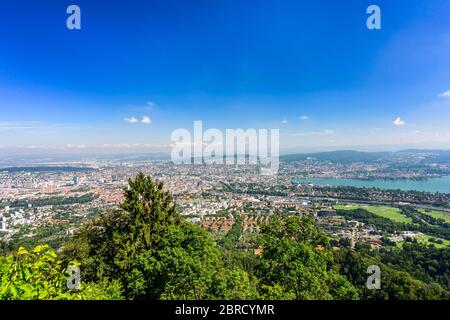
[382, 211]
[437, 214]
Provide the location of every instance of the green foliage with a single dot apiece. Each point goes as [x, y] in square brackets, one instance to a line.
[399, 285]
[395, 284]
[109, 246]
[54, 201]
[150, 212]
[39, 274]
[181, 267]
[295, 263]
[95, 248]
[234, 283]
[104, 290]
[230, 240]
[153, 253]
[32, 275]
[429, 264]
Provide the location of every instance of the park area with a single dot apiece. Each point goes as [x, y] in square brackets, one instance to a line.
[382, 211]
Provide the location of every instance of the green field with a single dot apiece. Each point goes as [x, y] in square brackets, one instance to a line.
[426, 240]
[437, 214]
[382, 211]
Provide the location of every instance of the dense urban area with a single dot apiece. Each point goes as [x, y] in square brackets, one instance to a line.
[47, 202]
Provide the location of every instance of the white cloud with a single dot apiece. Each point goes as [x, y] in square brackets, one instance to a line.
[284, 121]
[151, 104]
[146, 120]
[445, 94]
[399, 122]
[131, 145]
[304, 118]
[131, 120]
[323, 133]
[76, 146]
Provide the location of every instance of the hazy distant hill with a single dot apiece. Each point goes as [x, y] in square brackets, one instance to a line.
[437, 156]
[47, 169]
[338, 156]
[348, 156]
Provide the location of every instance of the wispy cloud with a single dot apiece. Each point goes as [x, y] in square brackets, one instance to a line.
[399, 122]
[303, 118]
[91, 147]
[323, 133]
[20, 125]
[29, 126]
[284, 121]
[445, 94]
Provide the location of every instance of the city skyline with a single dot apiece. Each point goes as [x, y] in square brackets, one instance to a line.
[135, 73]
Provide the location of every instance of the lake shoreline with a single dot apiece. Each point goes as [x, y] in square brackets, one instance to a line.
[441, 185]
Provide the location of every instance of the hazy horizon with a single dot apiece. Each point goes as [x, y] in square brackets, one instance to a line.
[165, 154]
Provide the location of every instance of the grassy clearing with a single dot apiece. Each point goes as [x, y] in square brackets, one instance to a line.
[426, 240]
[437, 214]
[382, 211]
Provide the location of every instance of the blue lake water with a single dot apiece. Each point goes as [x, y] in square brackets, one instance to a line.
[430, 185]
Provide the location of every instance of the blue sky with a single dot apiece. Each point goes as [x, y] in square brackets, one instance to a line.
[310, 68]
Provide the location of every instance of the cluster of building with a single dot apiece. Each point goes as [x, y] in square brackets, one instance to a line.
[207, 195]
[218, 224]
[402, 165]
